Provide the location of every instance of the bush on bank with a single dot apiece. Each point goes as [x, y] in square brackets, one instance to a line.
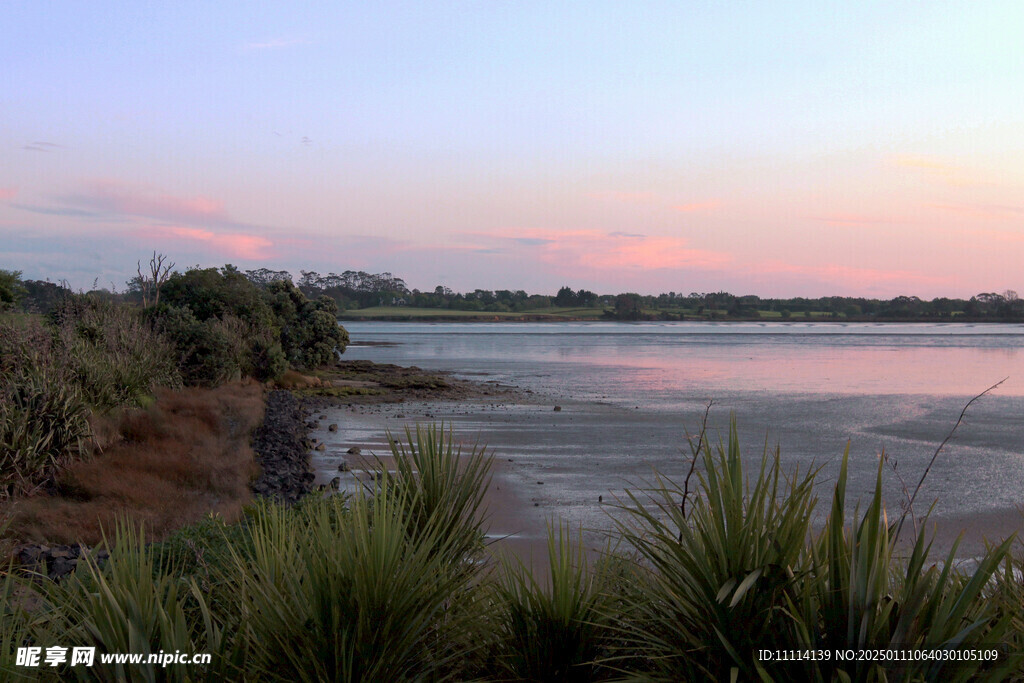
[224, 326]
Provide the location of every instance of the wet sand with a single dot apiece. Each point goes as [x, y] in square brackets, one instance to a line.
[571, 464]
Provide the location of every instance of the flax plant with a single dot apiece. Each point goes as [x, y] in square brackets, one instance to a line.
[441, 487]
[111, 352]
[716, 577]
[14, 620]
[557, 631]
[130, 605]
[348, 595]
[43, 422]
[860, 596]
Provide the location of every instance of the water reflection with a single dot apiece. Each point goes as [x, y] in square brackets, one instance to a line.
[811, 358]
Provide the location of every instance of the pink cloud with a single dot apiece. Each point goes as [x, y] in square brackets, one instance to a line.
[862, 279]
[694, 207]
[8, 193]
[238, 245]
[936, 170]
[593, 249]
[139, 201]
[862, 219]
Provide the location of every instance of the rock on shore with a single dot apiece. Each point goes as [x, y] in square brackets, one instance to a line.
[59, 560]
[281, 450]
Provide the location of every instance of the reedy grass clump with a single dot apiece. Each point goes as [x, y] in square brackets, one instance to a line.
[441, 487]
[716, 580]
[44, 422]
[859, 595]
[742, 571]
[348, 595]
[557, 631]
[133, 604]
[14, 622]
[92, 357]
[112, 354]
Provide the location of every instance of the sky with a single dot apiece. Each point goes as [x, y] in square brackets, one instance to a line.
[774, 148]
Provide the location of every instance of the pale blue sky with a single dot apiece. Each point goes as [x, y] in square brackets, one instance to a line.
[778, 148]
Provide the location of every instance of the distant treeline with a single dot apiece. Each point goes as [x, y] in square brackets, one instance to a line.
[354, 290]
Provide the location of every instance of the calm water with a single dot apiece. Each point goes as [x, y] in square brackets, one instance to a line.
[629, 392]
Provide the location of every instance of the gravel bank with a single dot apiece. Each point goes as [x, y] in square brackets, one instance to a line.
[282, 450]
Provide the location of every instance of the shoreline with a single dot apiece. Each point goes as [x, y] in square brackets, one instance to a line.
[555, 318]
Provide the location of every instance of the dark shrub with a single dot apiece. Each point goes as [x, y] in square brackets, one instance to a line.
[310, 334]
[207, 351]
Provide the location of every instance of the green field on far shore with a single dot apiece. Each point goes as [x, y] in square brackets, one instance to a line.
[572, 313]
[552, 313]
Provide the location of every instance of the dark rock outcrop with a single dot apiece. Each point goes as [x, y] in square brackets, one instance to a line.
[58, 561]
[281, 452]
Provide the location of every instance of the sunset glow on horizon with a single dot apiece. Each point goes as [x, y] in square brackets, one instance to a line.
[781, 149]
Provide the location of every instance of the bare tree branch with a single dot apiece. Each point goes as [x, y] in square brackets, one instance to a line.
[143, 285]
[159, 272]
[910, 504]
[694, 454]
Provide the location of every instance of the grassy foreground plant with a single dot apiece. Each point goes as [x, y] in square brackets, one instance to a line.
[860, 596]
[130, 605]
[555, 632]
[347, 595]
[441, 487]
[742, 573]
[44, 422]
[718, 577]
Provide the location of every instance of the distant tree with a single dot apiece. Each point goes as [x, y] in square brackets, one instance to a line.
[264, 276]
[586, 298]
[42, 297]
[628, 307]
[565, 297]
[11, 289]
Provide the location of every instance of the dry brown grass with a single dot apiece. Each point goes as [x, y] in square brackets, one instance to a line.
[182, 458]
[296, 380]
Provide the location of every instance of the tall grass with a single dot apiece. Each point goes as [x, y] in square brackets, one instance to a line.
[717, 579]
[111, 352]
[92, 357]
[167, 466]
[133, 605]
[742, 572]
[557, 631]
[860, 596]
[14, 621]
[44, 423]
[441, 487]
[347, 595]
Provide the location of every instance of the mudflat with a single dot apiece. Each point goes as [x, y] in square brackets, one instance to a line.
[570, 460]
